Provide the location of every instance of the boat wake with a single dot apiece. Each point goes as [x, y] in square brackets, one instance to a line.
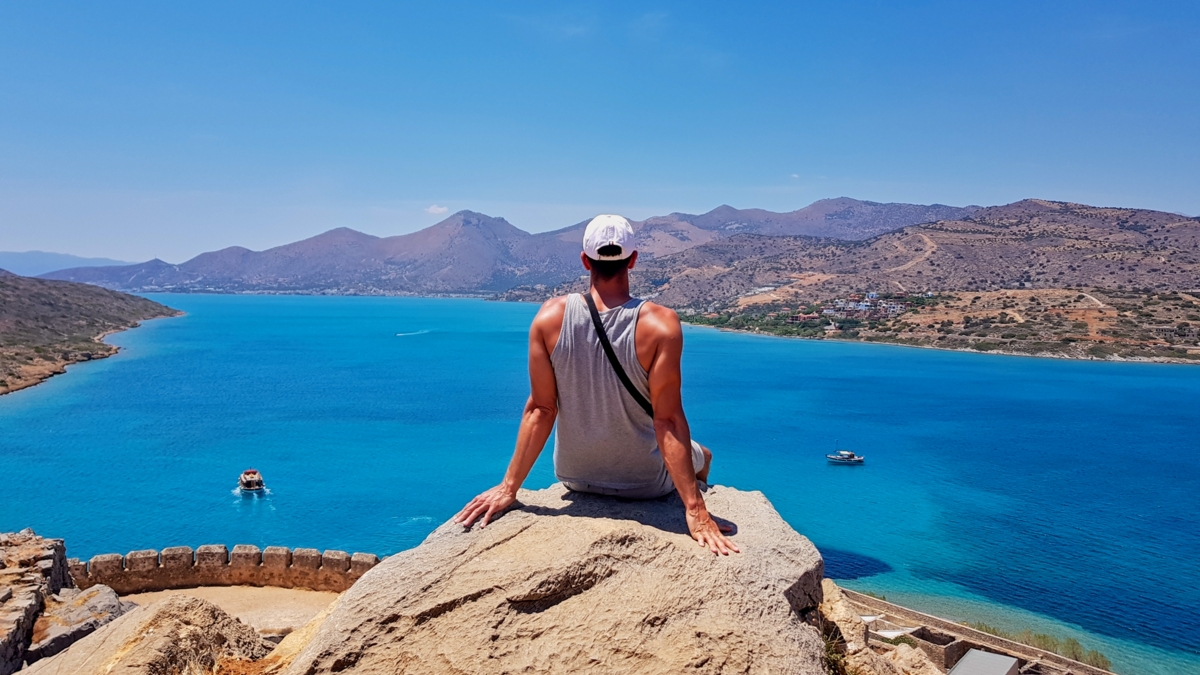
[419, 332]
[265, 492]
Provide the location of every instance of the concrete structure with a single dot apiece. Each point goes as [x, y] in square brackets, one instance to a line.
[947, 643]
[977, 662]
[215, 565]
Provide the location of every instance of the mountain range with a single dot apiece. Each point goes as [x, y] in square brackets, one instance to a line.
[33, 263]
[722, 257]
[471, 253]
[1032, 243]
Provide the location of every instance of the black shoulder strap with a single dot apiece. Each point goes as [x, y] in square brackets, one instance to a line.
[612, 357]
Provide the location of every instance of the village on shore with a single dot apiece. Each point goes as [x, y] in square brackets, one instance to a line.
[1079, 323]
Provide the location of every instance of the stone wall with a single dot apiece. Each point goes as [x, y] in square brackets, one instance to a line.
[946, 642]
[32, 569]
[215, 565]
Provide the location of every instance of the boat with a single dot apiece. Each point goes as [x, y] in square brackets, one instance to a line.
[251, 481]
[845, 457]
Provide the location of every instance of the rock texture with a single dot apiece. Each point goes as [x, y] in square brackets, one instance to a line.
[69, 616]
[574, 583]
[911, 661]
[859, 657]
[180, 635]
[32, 569]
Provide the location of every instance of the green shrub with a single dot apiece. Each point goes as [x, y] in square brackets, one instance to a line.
[1040, 640]
[984, 346]
[1097, 660]
[1072, 649]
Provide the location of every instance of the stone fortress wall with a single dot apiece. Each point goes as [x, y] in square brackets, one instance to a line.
[216, 565]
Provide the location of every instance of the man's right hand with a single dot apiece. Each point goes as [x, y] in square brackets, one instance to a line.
[706, 532]
[488, 504]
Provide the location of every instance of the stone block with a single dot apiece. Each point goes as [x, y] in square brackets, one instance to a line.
[212, 555]
[335, 561]
[106, 564]
[78, 569]
[306, 558]
[277, 557]
[175, 557]
[361, 562]
[245, 555]
[5, 594]
[141, 561]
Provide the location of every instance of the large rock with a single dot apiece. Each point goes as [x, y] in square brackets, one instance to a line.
[575, 583]
[178, 635]
[69, 616]
[836, 610]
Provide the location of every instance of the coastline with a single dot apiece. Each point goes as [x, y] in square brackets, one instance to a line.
[993, 352]
[44, 369]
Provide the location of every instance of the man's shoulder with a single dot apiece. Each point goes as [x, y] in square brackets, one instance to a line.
[551, 312]
[663, 321]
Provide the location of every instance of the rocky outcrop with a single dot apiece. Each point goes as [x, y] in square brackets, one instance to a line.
[32, 569]
[178, 635]
[579, 583]
[911, 661]
[70, 615]
[841, 620]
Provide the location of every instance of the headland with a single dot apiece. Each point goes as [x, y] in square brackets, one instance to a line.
[46, 326]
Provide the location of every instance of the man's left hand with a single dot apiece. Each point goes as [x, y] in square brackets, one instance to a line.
[707, 533]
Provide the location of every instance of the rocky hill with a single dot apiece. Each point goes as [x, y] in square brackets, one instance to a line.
[472, 253]
[1027, 244]
[47, 325]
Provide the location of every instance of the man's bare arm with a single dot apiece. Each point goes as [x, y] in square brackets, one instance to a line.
[536, 423]
[671, 427]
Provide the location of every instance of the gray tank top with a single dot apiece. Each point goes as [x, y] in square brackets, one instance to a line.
[604, 441]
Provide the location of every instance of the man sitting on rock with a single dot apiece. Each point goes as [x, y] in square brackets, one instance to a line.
[615, 394]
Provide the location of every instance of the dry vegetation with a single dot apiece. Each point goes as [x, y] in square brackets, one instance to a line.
[1069, 323]
[47, 325]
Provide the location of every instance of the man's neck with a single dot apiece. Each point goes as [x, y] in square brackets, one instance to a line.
[609, 293]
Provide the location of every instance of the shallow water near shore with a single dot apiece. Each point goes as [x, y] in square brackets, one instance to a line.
[1061, 496]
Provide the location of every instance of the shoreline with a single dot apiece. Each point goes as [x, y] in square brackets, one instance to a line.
[41, 371]
[993, 352]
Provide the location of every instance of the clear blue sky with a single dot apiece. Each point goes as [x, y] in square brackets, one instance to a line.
[134, 130]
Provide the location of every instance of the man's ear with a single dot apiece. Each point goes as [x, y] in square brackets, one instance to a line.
[587, 264]
[632, 260]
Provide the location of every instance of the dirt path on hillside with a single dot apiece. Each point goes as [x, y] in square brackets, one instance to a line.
[924, 256]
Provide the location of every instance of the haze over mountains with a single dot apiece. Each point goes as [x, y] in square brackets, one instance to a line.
[475, 253]
[33, 263]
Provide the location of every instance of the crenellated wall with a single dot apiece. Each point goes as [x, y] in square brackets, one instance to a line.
[215, 565]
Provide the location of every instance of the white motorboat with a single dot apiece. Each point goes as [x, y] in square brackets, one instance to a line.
[845, 457]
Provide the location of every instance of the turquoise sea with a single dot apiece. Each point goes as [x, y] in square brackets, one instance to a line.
[1057, 495]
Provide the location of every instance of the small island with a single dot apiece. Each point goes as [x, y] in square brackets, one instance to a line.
[47, 325]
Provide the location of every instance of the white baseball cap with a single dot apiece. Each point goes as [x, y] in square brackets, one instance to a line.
[608, 230]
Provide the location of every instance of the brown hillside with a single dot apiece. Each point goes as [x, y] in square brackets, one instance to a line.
[47, 325]
[1028, 244]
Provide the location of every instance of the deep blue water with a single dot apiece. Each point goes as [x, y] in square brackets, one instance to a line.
[1038, 490]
